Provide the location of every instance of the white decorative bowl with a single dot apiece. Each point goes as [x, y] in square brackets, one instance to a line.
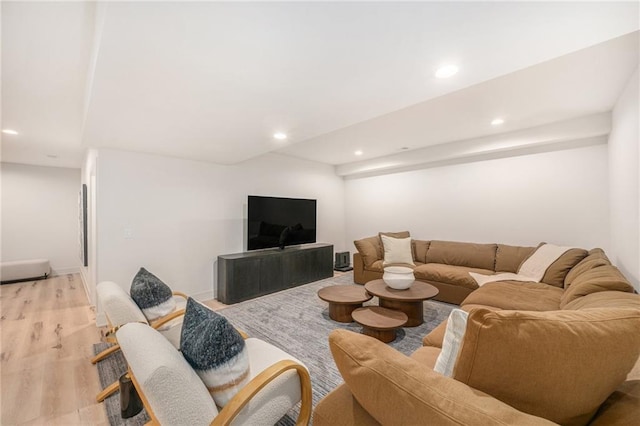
[398, 277]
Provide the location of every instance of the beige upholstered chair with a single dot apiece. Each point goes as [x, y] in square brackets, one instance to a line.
[173, 394]
[120, 309]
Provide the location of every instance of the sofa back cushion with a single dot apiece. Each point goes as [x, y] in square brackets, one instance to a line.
[595, 258]
[602, 278]
[509, 258]
[420, 248]
[558, 270]
[462, 254]
[559, 365]
[397, 390]
[370, 249]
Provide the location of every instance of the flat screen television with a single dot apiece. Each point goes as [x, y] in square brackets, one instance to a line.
[280, 222]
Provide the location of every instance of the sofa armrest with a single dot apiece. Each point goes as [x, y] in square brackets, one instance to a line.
[358, 269]
[395, 389]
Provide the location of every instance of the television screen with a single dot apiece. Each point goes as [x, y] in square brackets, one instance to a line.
[280, 222]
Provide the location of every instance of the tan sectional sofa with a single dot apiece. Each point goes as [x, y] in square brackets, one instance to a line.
[570, 345]
[446, 264]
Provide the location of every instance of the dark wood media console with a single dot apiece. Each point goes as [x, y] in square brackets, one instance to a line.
[243, 276]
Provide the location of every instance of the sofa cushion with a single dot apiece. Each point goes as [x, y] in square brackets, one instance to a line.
[462, 254]
[456, 275]
[558, 270]
[566, 362]
[401, 234]
[339, 407]
[605, 299]
[398, 390]
[621, 408]
[595, 258]
[370, 249]
[397, 251]
[420, 249]
[526, 296]
[426, 355]
[435, 338]
[602, 278]
[509, 258]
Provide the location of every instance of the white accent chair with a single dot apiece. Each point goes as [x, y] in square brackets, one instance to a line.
[120, 309]
[173, 394]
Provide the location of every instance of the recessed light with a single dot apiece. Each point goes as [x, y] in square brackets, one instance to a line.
[280, 136]
[497, 121]
[404, 148]
[446, 71]
[52, 156]
[358, 152]
[9, 132]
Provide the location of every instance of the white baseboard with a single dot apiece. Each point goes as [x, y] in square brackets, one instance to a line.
[101, 320]
[207, 295]
[64, 271]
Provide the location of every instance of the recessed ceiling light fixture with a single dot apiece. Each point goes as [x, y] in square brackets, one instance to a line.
[52, 156]
[280, 136]
[497, 121]
[358, 152]
[9, 132]
[446, 71]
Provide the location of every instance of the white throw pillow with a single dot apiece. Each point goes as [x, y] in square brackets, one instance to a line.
[396, 250]
[456, 327]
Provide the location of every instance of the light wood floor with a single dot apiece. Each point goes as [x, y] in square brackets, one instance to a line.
[47, 332]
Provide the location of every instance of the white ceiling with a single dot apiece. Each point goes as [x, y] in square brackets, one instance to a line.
[214, 81]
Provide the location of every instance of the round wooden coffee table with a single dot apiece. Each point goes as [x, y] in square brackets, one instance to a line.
[343, 299]
[380, 323]
[409, 301]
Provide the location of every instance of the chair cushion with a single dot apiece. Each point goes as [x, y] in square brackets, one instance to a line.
[522, 295]
[566, 362]
[509, 258]
[279, 396]
[174, 391]
[215, 350]
[601, 278]
[397, 251]
[154, 297]
[449, 274]
[117, 304]
[370, 249]
[471, 255]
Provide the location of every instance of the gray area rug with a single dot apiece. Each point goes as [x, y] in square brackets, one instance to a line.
[296, 321]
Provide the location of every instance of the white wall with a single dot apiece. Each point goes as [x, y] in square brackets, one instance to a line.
[558, 197]
[182, 214]
[624, 182]
[40, 215]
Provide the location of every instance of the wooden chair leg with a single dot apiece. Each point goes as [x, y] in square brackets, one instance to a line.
[102, 355]
[108, 391]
